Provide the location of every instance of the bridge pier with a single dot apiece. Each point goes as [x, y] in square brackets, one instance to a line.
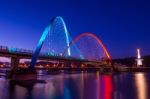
[21, 74]
[14, 62]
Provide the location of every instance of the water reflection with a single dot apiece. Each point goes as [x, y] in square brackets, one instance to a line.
[104, 86]
[22, 88]
[141, 86]
[108, 87]
[19, 89]
[78, 86]
[97, 85]
[3, 88]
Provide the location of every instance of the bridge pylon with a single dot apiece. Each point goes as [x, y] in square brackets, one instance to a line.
[14, 63]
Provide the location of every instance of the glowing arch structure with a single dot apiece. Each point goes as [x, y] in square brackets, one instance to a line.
[93, 36]
[43, 38]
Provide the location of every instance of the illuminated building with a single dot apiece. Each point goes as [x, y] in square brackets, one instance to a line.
[139, 60]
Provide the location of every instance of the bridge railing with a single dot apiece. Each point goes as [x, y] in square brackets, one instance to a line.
[16, 50]
[30, 52]
[3, 48]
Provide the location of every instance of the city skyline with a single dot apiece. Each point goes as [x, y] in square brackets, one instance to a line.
[122, 26]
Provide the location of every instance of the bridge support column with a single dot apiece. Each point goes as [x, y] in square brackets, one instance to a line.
[14, 62]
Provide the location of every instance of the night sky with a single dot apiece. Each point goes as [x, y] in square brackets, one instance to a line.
[122, 25]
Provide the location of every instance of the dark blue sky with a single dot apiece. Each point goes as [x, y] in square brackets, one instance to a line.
[123, 26]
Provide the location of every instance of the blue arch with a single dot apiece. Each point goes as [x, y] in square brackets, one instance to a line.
[43, 38]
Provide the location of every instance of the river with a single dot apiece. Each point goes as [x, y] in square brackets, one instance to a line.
[79, 86]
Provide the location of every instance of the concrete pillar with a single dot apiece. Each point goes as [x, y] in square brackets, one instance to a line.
[14, 62]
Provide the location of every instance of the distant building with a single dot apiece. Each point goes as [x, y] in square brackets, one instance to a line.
[139, 61]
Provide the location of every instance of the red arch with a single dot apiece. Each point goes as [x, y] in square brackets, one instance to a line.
[93, 36]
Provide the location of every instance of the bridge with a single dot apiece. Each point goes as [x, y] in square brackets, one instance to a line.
[16, 54]
[56, 44]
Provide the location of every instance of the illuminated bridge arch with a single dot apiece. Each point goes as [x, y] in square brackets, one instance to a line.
[47, 30]
[93, 36]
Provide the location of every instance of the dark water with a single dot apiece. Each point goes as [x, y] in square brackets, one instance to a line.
[79, 86]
